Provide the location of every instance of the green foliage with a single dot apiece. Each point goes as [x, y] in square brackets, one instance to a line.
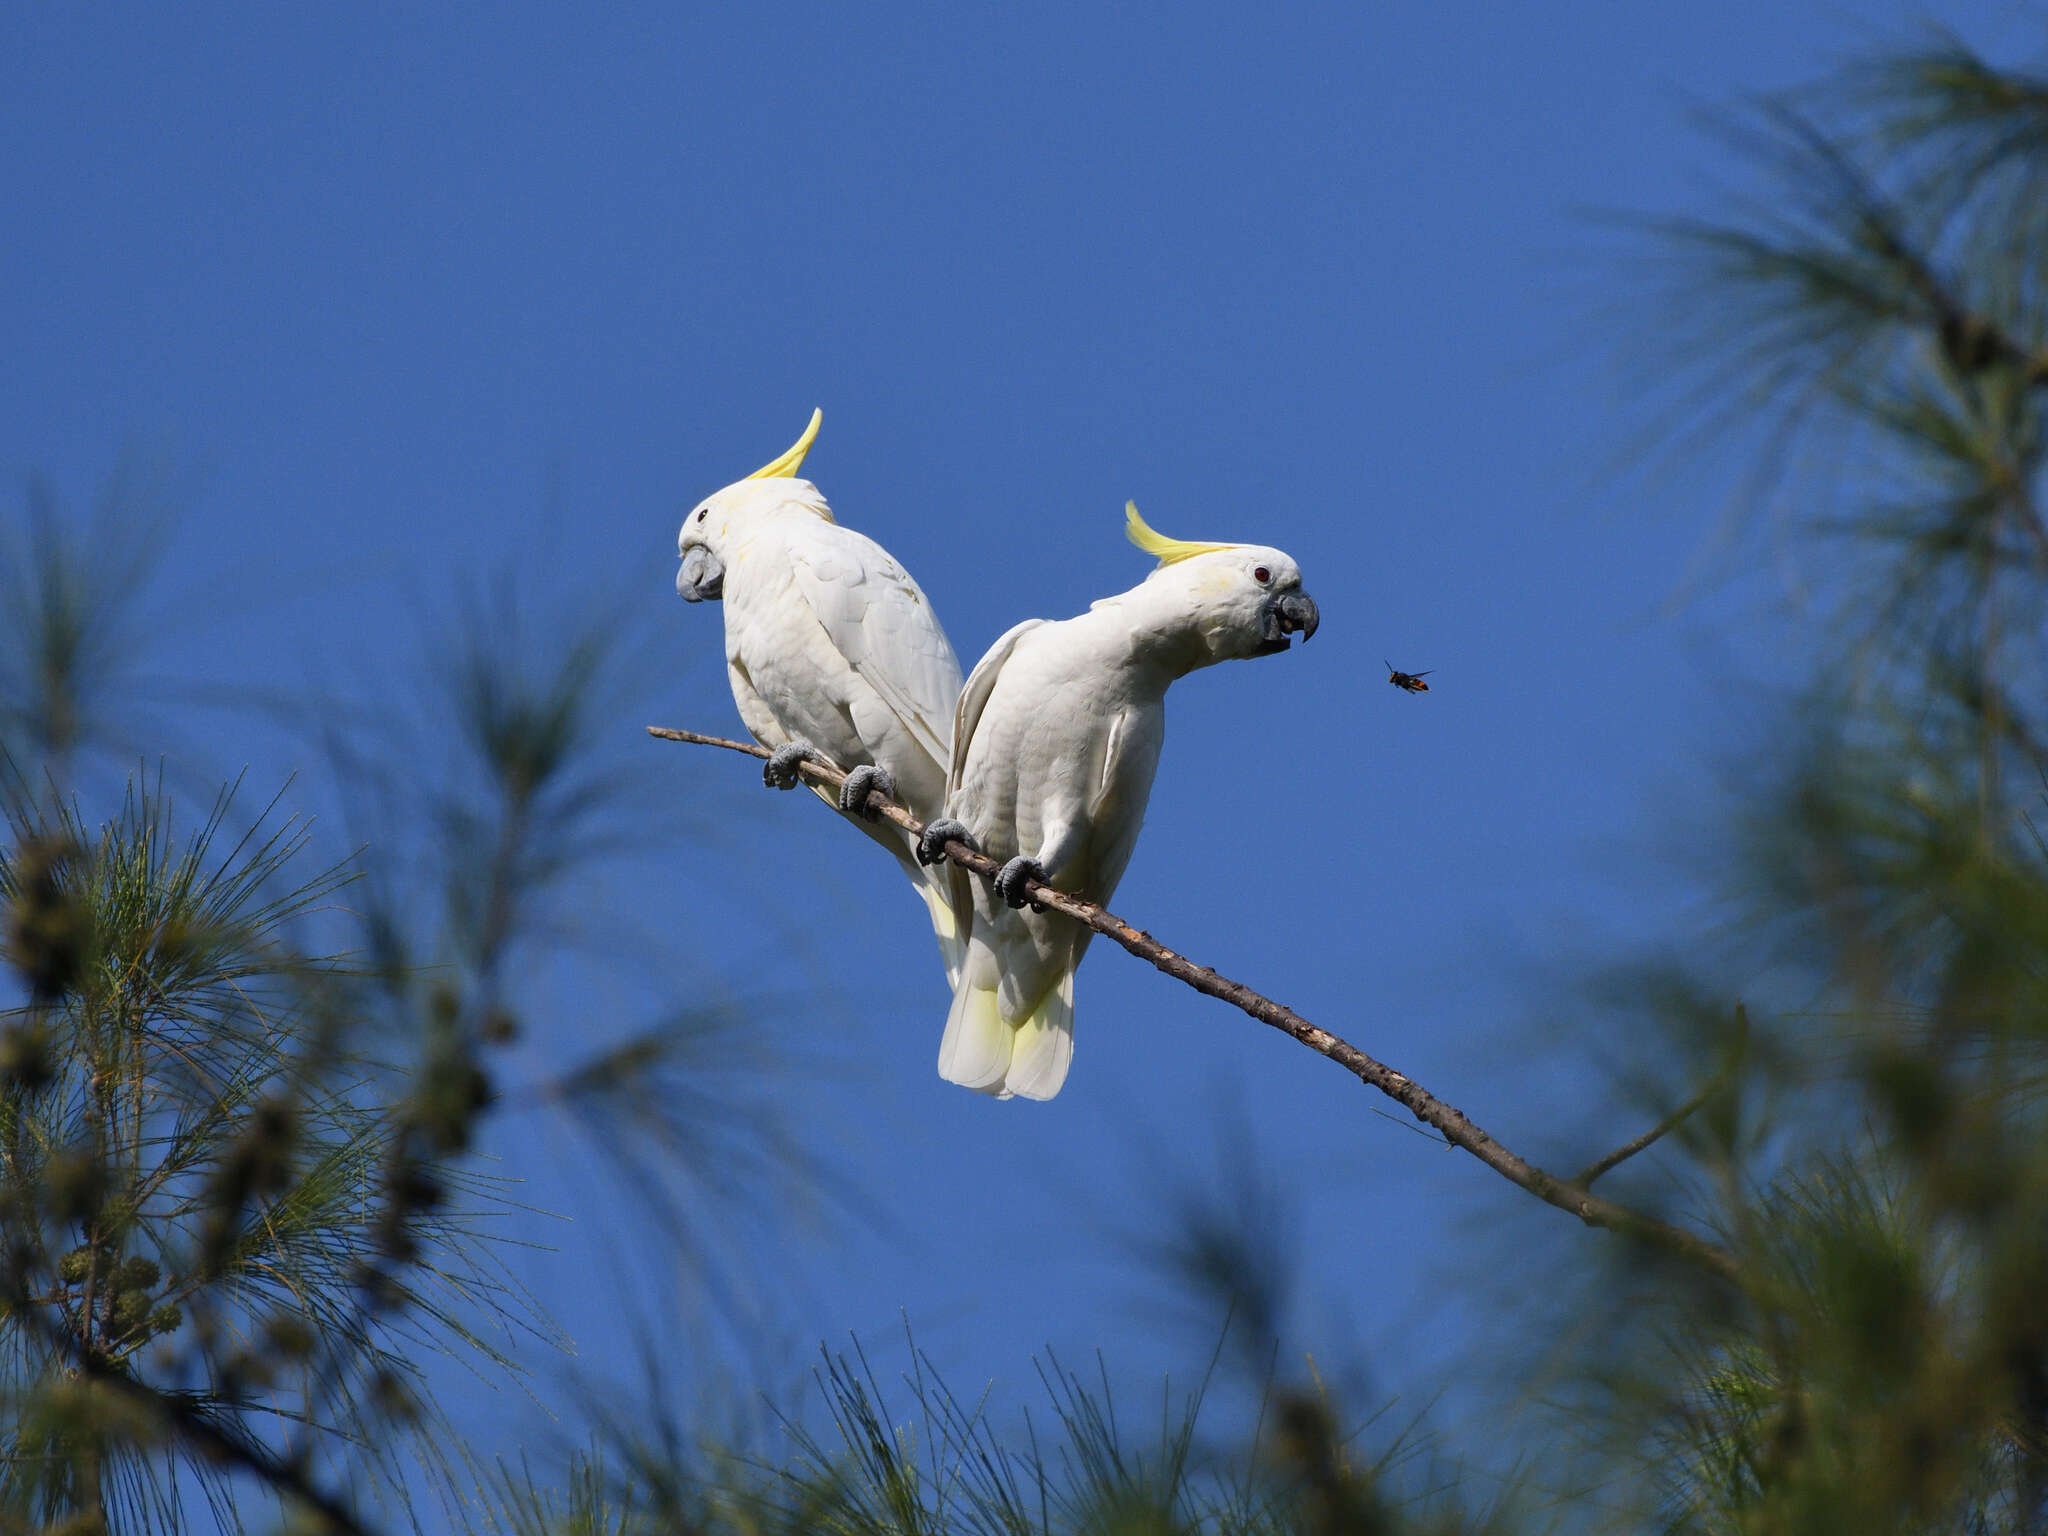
[241, 1208]
[919, 1460]
[72, 621]
[191, 1179]
[1883, 302]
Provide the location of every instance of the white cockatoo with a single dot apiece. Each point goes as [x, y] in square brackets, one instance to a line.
[833, 653]
[1054, 747]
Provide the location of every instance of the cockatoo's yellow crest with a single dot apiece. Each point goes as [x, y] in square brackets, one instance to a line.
[1153, 542]
[785, 467]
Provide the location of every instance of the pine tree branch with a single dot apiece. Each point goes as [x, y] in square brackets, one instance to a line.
[1455, 1126]
[288, 1479]
[1969, 339]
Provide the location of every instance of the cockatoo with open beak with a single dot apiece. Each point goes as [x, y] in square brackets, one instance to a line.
[1054, 746]
[833, 652]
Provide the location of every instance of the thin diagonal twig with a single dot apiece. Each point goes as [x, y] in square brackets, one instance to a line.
[1425, 1106]
[1584, 1178]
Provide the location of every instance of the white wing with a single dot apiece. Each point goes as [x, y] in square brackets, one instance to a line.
[974, 696]
[1116, 806]
[884, 626]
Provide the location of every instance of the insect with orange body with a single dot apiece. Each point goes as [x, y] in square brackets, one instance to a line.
[1412, 681]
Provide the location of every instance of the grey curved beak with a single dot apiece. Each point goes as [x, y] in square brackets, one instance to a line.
[702, 578]
[1297, 611]
[1286, 613]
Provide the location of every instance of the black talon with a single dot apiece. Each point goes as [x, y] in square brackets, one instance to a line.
[1010, 882]
[780, 771]
[853, 794]
[931, 842]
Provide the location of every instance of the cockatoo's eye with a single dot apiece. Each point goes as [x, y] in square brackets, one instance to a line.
[702, 513]
[1261, 575]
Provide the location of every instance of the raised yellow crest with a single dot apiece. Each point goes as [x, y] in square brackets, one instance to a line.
[786, 466]
[1153, 542]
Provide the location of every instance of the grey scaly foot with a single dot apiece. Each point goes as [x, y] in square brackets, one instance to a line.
[853, 794]
[931, 843]
[1010, 881]
[781, 769]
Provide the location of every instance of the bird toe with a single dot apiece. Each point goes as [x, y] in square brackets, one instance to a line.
[931, 843]
[1011, 879]
[782, 768]
[863, 781]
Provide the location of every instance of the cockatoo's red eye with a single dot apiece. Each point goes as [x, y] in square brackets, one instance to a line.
[1261, 575]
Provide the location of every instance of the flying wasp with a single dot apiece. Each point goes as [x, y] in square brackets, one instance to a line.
[1412, 681]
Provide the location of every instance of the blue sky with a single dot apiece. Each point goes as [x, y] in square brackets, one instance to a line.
[414, 299]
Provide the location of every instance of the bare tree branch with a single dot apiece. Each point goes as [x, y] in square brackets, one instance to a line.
[1456, 1127]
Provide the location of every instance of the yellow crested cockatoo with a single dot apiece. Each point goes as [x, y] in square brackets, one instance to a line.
[834, 653]
[1054, 747]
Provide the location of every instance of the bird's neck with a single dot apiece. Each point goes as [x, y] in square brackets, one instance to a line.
[1152, 637]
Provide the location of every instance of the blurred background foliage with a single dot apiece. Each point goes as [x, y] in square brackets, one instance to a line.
[244, 1071]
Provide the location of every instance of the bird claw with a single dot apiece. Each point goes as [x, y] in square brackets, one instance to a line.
[1010, 881]
[781, 772]
[931, 843]
[853, 794]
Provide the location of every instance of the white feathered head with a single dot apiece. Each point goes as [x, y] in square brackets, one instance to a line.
[723, 515]
[1243, 599]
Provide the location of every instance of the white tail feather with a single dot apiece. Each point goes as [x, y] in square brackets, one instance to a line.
[1044, 1046]
[983, 1051]
[975, 1051]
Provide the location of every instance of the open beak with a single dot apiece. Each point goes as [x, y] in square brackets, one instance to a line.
[702, 578]
[1286, 613]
